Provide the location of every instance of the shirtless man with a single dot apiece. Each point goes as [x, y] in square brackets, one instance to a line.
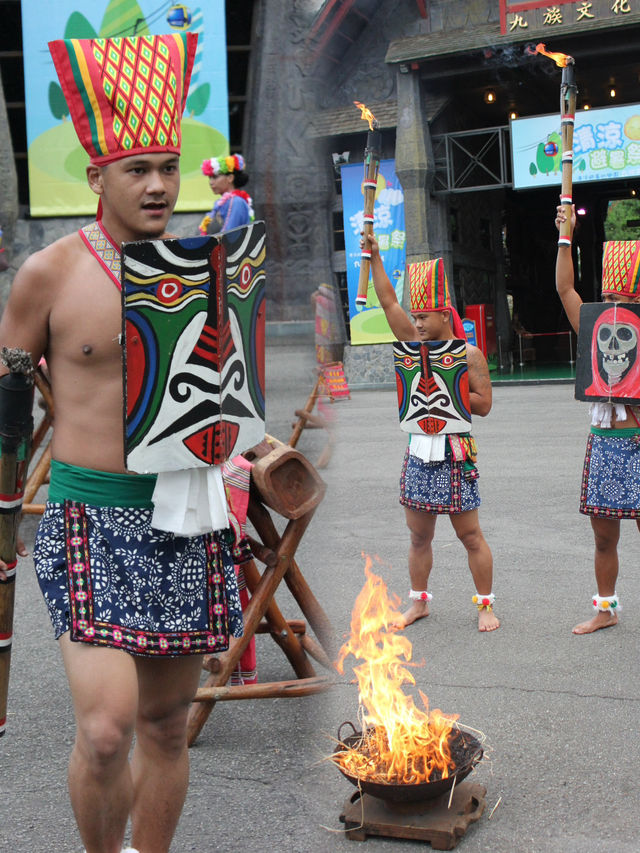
[435, 325]
[614, 429]
[65, 306]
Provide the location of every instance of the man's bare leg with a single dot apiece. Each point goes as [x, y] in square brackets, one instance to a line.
[606, 534]
[422, 527]
[104, 688]
[160, 761]
[467, 528]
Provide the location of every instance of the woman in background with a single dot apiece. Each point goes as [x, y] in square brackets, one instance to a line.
[234, 207]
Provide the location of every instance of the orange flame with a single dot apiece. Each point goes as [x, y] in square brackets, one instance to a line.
[406, 745]
[560, 59]
[367, 115]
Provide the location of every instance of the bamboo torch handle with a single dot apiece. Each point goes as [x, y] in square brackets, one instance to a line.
[16, 426]
[371, 167]
[568, 92]
[365, 259]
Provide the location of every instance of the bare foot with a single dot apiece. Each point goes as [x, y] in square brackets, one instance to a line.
[602, 619]
[418, 610]
[487, 620]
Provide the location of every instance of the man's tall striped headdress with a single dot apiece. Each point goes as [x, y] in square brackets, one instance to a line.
[126, 95]
[428, 286]
[429, 291]
[621, 267]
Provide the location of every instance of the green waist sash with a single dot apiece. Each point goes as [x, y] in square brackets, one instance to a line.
[618, 433]
[99, 488]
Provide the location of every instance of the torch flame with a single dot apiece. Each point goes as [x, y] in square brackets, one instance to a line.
[367, 115]
[560, 59]
[405, 745]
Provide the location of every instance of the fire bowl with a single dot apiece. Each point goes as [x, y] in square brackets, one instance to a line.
[466, 752]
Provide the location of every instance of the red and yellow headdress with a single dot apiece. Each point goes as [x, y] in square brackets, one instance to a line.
[428, 286]
[621, 267]
[429, 291]
[126, 95]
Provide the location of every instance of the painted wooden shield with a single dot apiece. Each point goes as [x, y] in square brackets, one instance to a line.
[433, 386]
[194, 338]
[608, 356]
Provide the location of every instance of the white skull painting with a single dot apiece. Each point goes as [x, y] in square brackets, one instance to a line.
[608, 353]
[617, 343]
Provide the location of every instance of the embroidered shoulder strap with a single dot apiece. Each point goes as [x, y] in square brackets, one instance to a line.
[104, 249]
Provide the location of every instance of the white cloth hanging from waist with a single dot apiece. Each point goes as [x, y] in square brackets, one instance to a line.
[602, 414]
[429, 448]
[191, 502]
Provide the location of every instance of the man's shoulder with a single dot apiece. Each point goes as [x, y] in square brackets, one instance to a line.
[49, 259]
[47, 269]
[473, 351]
[475, 356]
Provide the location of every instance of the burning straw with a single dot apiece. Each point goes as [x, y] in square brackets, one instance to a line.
[401, 743]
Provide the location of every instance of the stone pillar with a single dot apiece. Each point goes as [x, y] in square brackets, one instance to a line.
[8, 195]
[290, 177]
[425, 215]
[414, 164]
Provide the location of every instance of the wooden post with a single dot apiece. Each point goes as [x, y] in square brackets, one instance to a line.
[296, 582]
[200, 710]
[302, 417]
[16, 426]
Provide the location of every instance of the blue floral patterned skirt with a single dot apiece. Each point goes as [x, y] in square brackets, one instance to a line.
[111, 579]
[441, 487]
[611, 474]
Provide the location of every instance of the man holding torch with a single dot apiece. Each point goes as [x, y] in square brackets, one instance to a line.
[96, 537]
[428, 487]
[614, 441]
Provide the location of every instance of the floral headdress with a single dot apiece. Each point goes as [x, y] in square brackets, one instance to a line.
[225, 166]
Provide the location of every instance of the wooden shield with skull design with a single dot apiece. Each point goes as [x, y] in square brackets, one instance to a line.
[608, 358]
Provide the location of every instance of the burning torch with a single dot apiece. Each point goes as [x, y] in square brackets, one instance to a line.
[568, 92]
[16, 426]
[372, 155]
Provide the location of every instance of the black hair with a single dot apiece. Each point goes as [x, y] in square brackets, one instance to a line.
[240, 179]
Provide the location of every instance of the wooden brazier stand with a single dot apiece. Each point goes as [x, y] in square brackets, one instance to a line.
[283, 482]
[442, 821]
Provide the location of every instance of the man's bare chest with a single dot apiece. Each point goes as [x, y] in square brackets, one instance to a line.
[85, 320]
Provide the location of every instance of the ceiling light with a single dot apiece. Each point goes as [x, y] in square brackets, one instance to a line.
[489, 97]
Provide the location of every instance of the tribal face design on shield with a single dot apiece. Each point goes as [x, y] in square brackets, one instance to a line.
[433, 386]
[193, 315]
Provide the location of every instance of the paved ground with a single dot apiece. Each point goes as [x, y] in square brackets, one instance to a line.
[560, 713]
